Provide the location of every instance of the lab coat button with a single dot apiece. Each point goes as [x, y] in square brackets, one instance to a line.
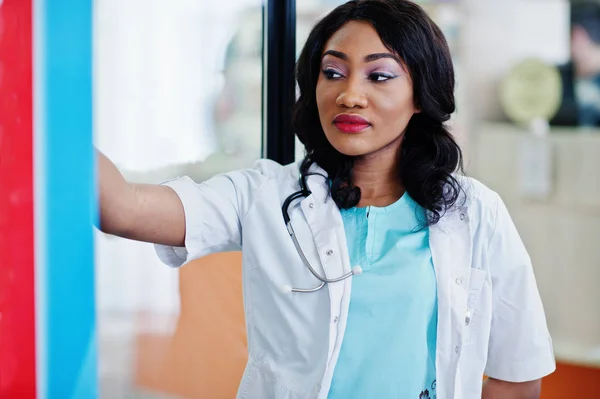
[462, 216]
[335, 319]
[329, 252]
[458, 281]
[311, 205]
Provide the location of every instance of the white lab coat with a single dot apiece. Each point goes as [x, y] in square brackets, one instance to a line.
[490, 316]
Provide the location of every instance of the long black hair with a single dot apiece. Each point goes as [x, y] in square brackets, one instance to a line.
[429, 155]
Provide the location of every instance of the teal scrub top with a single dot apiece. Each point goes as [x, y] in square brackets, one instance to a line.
[390, 340]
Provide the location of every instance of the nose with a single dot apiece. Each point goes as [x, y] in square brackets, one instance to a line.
[352, 95]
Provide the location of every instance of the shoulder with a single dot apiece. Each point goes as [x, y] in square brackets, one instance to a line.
[276, 171]
[264, 177]
[476, 194]
[261, 171]
[240, 184]
[481, 204]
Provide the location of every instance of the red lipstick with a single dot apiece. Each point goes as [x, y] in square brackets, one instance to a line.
[348, 123]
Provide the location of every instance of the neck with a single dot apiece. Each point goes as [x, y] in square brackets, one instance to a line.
[377, 177]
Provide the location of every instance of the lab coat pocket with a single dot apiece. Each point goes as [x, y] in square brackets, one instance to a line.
[476, 282]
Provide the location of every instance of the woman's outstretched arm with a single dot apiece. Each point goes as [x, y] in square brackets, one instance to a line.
[142, 212]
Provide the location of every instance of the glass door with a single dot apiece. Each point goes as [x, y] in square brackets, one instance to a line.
[178, 91]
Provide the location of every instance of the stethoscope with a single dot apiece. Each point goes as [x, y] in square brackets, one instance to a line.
[305, 192]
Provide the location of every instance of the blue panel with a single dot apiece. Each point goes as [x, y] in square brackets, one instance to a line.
[65, 196]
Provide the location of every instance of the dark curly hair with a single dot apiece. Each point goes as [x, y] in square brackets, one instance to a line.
[429, 155]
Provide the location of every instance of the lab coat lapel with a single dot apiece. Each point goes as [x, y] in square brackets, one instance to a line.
[450, 243]
[325, 222]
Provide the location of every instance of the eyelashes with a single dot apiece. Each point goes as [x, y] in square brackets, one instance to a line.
[331, 74]
[376, 77]
[380, 77]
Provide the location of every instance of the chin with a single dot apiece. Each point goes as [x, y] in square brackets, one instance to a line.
[352, 145]
[351, 150]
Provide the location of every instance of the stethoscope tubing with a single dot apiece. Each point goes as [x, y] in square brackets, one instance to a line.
[304, 192]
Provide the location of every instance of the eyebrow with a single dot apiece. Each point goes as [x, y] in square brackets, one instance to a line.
[368, 58]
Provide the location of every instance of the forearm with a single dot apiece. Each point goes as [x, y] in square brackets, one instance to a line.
[116, 197]
[496, 389]
[142, 212]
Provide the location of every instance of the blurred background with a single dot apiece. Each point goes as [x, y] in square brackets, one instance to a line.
[179, 89]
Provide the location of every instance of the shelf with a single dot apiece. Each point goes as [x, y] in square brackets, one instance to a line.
[567, 352]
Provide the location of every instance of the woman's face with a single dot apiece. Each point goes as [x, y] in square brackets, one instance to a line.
[364, 94]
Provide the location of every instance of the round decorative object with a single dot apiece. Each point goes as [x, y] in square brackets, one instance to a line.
[531, 90]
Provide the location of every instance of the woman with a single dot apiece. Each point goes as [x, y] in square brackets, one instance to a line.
[435, 286]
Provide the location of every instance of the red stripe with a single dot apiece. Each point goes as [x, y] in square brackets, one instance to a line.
[17, 312]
